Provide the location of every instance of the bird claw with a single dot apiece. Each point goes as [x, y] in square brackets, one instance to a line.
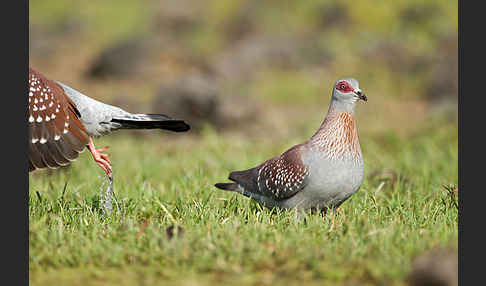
[104, 156]
[104, 164]
[102, 149]
[101, 158]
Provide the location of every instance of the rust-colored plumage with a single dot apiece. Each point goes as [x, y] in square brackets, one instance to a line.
[56, 135]
[338, 136]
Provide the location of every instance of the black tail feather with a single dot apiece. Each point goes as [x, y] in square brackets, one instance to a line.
[152, 121]
[227, 186]
[242, 177]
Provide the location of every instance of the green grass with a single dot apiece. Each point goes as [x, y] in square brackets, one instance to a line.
[163, 180]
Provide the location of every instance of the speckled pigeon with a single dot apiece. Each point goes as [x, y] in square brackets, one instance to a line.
[318, 174]
[62, 122]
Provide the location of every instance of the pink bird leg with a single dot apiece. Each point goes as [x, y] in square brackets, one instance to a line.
[101, 158]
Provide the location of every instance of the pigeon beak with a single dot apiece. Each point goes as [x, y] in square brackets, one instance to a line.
[360, 94]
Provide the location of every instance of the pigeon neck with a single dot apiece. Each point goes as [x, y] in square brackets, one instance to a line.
[337, 136]
[338, 106]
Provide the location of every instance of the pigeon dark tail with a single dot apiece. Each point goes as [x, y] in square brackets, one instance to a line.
[151, 121]
[227, 186]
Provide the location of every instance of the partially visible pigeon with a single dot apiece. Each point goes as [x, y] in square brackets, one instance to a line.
[318, 174]
[62, 122]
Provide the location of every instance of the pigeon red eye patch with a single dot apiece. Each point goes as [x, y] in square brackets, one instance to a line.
[344, 86]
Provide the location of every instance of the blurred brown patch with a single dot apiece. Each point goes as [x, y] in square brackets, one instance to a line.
[333, 15]
[419, 13]
[247, 56]
[243, 23]
[198, 100]
[437, 267]
[444, 83]
[177, 18]
[397, 57]
[122, 59]
[45, 41]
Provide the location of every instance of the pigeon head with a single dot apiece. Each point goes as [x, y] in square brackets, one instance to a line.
[347, 90]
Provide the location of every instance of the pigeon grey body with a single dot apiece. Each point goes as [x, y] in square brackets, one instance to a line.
[100, 118]
[318, 174]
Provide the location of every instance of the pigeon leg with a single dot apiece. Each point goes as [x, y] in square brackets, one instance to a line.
[101, 158]
[333, 215]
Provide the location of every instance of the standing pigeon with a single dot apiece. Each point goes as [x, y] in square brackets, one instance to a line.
[62, 122]
[318, 174]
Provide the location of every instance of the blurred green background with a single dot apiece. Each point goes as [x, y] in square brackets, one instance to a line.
[238, 61]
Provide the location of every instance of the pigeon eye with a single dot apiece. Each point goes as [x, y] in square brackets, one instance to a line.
[343, 86]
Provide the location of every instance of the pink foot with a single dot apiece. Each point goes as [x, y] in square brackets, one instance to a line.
[101, 158]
